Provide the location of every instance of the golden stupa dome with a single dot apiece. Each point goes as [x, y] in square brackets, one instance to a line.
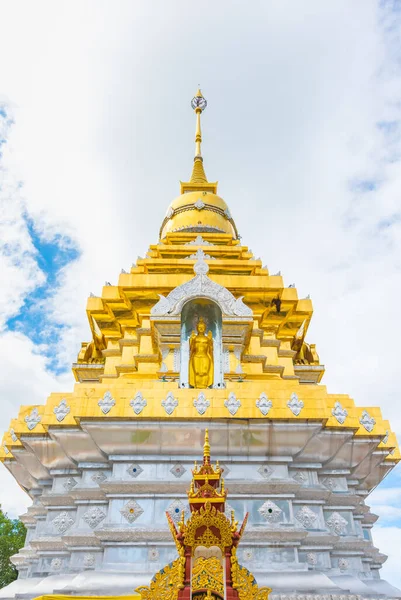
[198, 209]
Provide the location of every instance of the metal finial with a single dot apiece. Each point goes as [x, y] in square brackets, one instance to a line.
[198, 102]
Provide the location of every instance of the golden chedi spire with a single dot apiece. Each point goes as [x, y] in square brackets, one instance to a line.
[199, 104]
[198, 208]
[198, 180]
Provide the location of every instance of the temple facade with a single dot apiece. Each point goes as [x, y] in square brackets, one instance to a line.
[199, 335]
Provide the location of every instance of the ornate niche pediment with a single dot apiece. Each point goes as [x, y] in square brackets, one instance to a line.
[237, 318]
[201, 286]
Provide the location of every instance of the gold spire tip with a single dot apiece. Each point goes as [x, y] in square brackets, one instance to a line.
[206, 448]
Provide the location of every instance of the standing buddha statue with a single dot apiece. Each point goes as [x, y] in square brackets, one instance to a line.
[201, 367]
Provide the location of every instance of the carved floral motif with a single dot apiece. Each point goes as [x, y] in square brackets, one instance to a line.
[178, 470]
[265, 471]
[106, 403]
[232, 404]
[32, 419]
[367, 421]
[93, 516]
[175, 510]
[134, 470]
[89, 561]
[63, 521]
[69, 484]
[138, 403]
[337, 524]
[301, 477]
[264, 404]
[99, 477]
[131, 511]
[270, 511]
[295, 404]
[62, 410]
[339, 413]
[343, 564]
[170, 403]
[199, 204]
[306, 516]
[329, 483]
[56, 564]
[201, 403]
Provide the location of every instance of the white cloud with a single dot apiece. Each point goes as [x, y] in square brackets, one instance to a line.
[104, 132]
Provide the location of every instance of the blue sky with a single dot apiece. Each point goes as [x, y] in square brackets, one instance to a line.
[33, 318]
[302, 131]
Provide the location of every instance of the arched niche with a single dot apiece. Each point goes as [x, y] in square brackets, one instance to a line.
[210, 312]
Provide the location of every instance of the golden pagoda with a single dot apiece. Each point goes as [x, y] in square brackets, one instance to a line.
[198, 336]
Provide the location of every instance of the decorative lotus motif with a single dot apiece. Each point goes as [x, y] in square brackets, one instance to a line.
[201, 403]
[339, 413]
[270, 511]
[295, 404]
[99, 477]
[199, 204]
[264, 404]
[301, 477]
[367, 421]
[131, 511]
[265, 471]
[94, 516]
[233, 404]
[32, 419]
[343, 564]
[337, 524]
[62, 410]
[178, 470]
[134, 470]
[70, 484]
[175, 510]
[106, 403]
[170, 403]
[56, 564]
[63, 522]
[138, 403]
[89, 561]
[307, 517]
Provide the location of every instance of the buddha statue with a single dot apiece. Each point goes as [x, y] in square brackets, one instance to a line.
[201, 368]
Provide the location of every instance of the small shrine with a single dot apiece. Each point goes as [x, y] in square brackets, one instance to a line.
[207, 565]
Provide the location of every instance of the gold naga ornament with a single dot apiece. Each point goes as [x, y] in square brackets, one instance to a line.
[201, 368]
[207, 566]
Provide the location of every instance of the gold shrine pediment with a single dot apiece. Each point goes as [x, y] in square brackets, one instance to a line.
[201, 286]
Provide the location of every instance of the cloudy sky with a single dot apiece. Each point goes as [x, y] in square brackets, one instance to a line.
[302, 131]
